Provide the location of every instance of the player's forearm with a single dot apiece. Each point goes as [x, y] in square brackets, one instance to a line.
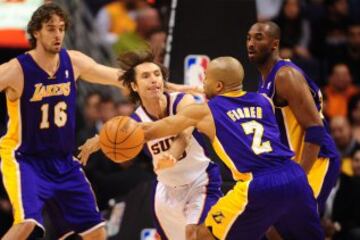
[166, 127]
[309, 156]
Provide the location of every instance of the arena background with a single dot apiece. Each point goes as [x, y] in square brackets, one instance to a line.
[196, 31]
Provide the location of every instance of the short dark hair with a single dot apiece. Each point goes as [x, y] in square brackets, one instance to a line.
[128, 62]
[43, 14]
[274, 29]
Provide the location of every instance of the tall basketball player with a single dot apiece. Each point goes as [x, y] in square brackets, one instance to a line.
[36, 151]
[298, 108]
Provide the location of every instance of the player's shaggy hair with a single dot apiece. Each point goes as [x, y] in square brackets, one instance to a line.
[42, 15]
[128, 62]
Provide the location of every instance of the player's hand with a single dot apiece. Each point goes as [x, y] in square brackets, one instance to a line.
[90, 146]
[164, 161]
[194, 90]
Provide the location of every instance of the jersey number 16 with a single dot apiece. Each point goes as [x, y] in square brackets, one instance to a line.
[60, 116]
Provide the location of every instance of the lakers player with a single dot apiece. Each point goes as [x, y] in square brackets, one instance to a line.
[243, 131]
[36, 151]
[184, 193]
[298, 103]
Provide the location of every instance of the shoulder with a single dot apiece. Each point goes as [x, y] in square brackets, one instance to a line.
[11, 68]
[75, 55]
[288, 78]
[183, 100]
[288, 72]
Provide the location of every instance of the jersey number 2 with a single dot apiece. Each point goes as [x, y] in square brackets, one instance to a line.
[259, 147]
[60, 116]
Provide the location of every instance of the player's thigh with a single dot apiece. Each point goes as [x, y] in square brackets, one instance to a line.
[203, 195]
[301, 220]
[22, 184]
[238, 214]
[168, 209]
[322, 178]
[77, 202]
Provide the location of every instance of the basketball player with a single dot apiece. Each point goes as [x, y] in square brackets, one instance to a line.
[243, 131]
[184, 193]
[36, 151]
[298, 108]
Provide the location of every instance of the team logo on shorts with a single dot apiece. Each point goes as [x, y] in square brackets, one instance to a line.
[218, 217]
[149, 234]
[195, 66]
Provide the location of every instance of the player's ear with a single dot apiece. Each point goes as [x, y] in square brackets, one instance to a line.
[276, 44]
[219, 86]
[133, 86]
[35, 34]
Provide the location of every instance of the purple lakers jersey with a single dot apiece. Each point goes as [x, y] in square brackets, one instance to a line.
[42, 121]
[247, 136]
[292, 134]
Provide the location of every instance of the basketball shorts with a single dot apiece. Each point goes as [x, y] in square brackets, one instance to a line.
[176, 207]
[322, 178]
[254, 205]
[32, 182]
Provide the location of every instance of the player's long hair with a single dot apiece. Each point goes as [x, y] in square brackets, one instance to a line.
[128, 61]
[42, 15]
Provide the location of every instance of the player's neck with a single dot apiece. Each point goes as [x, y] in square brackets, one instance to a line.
[49, 62]
[266, 67]
[156, 107]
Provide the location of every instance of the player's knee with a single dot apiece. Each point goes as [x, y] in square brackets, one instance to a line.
[190, 231]
[26, 227]
[203, 233]
[197, 232]
[97, 234]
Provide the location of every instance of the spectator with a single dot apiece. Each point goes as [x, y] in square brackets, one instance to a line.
[339, 90]
[348, 53]
[125, 107]
[147, 21]
[91, 114]
[354, 115]
[113, 20]
[342, 134]
[157, 41]
[342, 220]
[295, 30]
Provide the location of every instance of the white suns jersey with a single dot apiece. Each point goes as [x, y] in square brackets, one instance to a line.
[192, 163]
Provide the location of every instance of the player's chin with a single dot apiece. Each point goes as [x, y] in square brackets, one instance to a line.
[56, 49]
[252, 58]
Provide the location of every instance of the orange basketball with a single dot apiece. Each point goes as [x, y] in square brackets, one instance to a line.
[121, 139]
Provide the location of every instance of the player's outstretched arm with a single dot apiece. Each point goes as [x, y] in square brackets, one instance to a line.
[89, 147]
[89, 70]
[194, 90]
[182, 140]
[291, 86]
[193, 115]
[177, 149]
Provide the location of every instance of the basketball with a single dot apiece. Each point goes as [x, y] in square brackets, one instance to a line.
[121, 139]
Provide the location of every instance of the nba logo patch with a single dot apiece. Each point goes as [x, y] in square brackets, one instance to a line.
[194, 71]
[149, 234]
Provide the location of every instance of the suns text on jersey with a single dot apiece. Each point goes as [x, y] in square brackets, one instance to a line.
[245, 112]
[41, 91]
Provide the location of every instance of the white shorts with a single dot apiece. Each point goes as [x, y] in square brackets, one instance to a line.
[176, 207]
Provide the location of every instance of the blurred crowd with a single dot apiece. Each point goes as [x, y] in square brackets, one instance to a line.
[321, 36]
